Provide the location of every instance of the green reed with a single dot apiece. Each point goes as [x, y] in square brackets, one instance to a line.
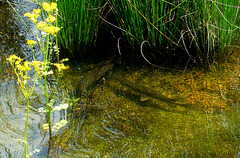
[79, 21]
[147, 20]
[203, 29]
[210, 27]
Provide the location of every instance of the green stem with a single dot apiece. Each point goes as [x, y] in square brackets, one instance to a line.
[33, 54]
[56, 14]
[48, 107]
[17, 14]
[28, 102]
[47, 51]
[55, 92]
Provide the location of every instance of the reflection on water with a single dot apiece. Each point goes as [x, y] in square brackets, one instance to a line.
[12, 113]
[12, 30]
[143, 113]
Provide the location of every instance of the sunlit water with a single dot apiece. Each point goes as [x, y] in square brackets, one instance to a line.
[120, 120]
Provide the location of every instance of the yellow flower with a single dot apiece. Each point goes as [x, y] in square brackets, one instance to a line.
[51, 30]
[49, 8]
[63, 60]
[33, 20]
[18, 62]
[44, 73]
[53, 6]
[45, 6]
[20, 68]
[31, 43]
[50, 19]
[45, 126]
[37, 65]
[12, 58]
[27, 65]
[27, 14]
[32, 16]
[37, 11]
[41, 25]
[60, 66]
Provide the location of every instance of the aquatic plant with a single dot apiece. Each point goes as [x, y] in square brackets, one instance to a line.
[46, 31]
[202, 29]
[210, 27]
[79, 21]
[147, 20]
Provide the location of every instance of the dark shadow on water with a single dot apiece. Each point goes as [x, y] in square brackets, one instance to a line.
[167, 107]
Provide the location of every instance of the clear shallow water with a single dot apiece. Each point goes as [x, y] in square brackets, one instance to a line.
[123, 122]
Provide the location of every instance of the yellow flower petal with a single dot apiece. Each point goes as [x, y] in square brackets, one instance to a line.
[49, 8]
[41, 25]
[45, 6]
[50, 19]
[37, 11]
[31, 43]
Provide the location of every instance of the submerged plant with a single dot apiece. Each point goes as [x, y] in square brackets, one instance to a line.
[46, 31]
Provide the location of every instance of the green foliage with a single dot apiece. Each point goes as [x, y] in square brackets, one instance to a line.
[210, 26]
[148, 20]
[203, 28]
[79, 21]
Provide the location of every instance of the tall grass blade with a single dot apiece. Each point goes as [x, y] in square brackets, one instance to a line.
[79, 21]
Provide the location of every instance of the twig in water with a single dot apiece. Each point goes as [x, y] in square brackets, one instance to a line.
[152, 63]
[118, 46]
[103, 85]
